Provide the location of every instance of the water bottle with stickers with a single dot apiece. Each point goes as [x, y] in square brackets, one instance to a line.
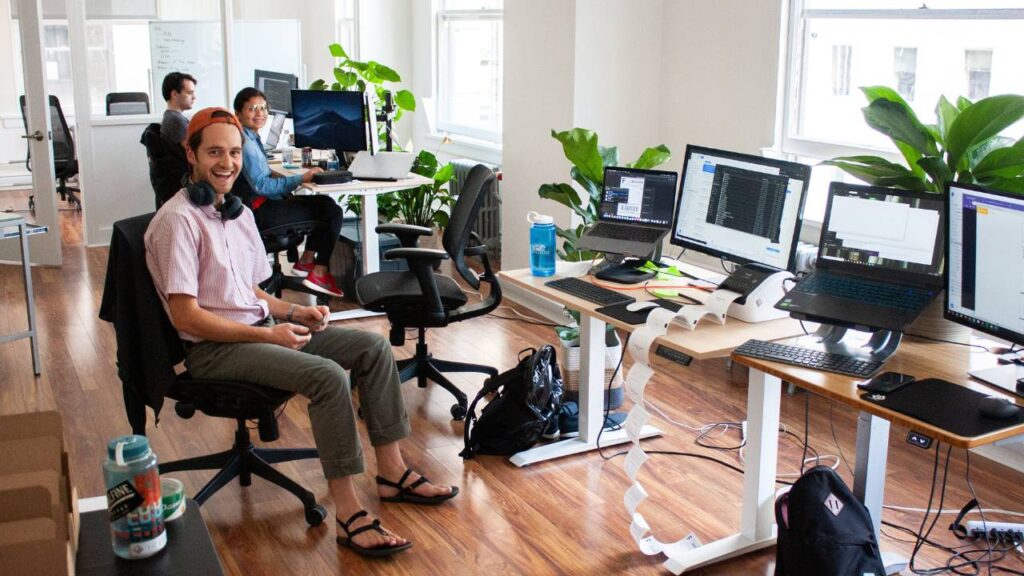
[542, 244]
[133, 498]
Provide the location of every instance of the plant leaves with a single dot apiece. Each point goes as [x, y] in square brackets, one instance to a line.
[1015, 185]
[446, 173]
[979, 122]
[337, 51]
[344, 77]
[384, 72]
[609, 157]
[405, 100]
[883, 92]
[336, 86]
[938, 170]
[878, 171]
[1006, 162]
[564, 194]
[318, 84]
[425, 164]
[946, 114]
[897, 121]
[652, 157]
[580, 147]
[963, 103]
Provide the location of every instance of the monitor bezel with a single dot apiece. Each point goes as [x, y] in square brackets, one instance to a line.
[704, 249]
[999, 331]
[300, 139]
[645, 171]
[913, 278]
[282, 76]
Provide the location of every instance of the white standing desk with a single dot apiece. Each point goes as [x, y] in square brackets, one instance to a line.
[370, 251]
[15, 226]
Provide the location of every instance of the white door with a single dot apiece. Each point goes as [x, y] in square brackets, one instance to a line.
[45, 248]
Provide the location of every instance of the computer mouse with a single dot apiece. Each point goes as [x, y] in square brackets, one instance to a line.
[641, 305]
[997, 408]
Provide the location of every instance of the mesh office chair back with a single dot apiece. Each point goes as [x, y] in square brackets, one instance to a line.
[65, 164]
[479, 183]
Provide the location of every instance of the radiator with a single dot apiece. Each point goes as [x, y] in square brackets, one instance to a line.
[488, 223]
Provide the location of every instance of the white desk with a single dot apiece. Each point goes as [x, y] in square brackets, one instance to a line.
[15, 226]
[368, 222]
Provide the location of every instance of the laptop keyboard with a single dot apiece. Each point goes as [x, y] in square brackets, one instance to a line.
[879, 293]
[627, 233]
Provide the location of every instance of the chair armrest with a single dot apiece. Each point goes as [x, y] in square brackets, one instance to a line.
[475, 250]
[418, 254]
[407, 233]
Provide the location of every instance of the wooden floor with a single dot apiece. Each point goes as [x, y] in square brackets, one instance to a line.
[561, 517]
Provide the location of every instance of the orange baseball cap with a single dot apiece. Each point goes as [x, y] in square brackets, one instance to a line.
[208, 116]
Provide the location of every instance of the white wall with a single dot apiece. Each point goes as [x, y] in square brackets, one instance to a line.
[386, 36]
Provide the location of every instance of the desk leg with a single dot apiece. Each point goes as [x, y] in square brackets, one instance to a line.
[371, 244]
[30, 300]
[869, 477]
[591, 403]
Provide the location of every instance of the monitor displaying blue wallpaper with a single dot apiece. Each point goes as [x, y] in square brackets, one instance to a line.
[329, 120]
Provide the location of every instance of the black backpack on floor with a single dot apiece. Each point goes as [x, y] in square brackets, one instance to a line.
[528, 396]
[824, 529]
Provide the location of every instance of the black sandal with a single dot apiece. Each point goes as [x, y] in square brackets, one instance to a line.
[382, 550]
[406, 494]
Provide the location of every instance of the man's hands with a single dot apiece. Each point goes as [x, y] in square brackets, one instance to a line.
[313, 317]
[307, 176]
[289, 335]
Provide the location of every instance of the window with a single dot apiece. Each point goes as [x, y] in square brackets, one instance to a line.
[968, 48]
[469, 55]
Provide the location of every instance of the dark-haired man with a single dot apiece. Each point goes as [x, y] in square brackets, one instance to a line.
[179, 90]
[207, 261]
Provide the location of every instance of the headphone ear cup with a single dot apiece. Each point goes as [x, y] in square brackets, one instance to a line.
[200, 193]
[231, 208]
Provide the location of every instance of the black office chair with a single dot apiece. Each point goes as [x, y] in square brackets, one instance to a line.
[148, 348]
[287, 238]
[421, 298]
[121, 103]
[167, 164]
[65, 164]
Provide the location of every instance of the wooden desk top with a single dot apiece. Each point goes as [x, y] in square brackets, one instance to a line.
[917, 357]
[709, 340]
[358, 187]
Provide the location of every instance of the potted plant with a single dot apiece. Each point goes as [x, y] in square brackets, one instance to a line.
[964, 145]
[569, 339]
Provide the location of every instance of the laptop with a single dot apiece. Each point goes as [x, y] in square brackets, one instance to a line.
[275, 132]
[880, 259]
[382, 165]
[635, 212]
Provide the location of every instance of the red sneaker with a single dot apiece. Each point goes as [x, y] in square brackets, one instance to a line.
[301, 270]
[322, 283]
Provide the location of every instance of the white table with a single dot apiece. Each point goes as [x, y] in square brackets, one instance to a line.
[15, 226]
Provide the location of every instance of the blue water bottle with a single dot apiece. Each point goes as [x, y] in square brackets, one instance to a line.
[133, 498]
[542, 244]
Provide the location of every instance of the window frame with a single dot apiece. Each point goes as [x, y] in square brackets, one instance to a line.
[486, 138]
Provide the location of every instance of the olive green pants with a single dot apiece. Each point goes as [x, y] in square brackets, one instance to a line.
[318, 373]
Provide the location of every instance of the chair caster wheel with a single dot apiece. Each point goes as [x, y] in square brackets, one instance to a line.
[458, 412]
[315, 516]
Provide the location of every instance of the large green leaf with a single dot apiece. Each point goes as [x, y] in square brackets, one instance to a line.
[939, 172]
[652, 157]
[592, 188]
[425, 164]
[946, 113]
[878, 171]
[562, 193]
[405, 100]
[883, 92]
[609, 156]
[345, 78]
[318, 84]
[1008, 184]
[1005, 162]
[963, 103]
[337, 51]
[446, 173]
[911, 155]
[580, 147]
[979, 122]
[897, 121]
[384, 72]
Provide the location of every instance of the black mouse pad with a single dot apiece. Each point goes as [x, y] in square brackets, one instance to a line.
[945, 405]
[619, 312]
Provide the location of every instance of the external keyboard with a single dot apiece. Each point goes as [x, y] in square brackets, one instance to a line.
[587, 291]
[807, 358]
[629, 233]
[879, 293]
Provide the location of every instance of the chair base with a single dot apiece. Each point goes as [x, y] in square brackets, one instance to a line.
[244, 460]
[423, 366]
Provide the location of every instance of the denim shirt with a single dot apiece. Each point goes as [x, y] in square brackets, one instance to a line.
[257, 171]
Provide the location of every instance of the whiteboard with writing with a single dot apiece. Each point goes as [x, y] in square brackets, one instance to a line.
[197, 48]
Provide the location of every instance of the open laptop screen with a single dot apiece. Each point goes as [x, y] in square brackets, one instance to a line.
[638, 196]
[883, 229]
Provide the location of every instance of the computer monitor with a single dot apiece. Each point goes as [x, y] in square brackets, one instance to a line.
[329, 120]
[985, 283]
[739, 207]
[640, 196]
[277, 87]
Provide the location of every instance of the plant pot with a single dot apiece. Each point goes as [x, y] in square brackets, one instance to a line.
[563, 268]
[570, 360]
[932, 324]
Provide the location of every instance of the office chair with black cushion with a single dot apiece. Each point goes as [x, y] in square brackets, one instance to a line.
[287, 238]
[121, 103]
[148, 348]
[65, 164]
[420, 298]
[167, 164]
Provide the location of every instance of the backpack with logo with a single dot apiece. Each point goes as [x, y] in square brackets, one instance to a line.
[526, 398]
[824, 529]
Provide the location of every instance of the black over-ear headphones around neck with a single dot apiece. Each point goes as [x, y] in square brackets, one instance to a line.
[202, 194]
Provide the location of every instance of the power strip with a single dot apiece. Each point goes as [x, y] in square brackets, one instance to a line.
[999, 531]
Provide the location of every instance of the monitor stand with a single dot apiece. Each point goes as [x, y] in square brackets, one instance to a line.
[625, 272]
[879, 347]
[1008, 377]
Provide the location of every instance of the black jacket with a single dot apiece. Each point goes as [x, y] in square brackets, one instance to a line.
[148, 346]
[167, 164]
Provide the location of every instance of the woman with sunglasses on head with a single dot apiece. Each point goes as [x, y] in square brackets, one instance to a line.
[273, 203]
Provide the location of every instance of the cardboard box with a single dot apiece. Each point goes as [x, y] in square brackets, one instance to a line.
[38, 505]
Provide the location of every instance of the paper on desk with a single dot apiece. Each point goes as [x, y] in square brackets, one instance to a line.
[658, 320]
[633, 497]
[719, 301]
[636, 380]
[635, 458]
[647, 544]
[635, 421]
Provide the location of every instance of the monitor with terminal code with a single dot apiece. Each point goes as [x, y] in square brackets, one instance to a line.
[985, 283]
[329, 120]
[277, 87]
[739, 207]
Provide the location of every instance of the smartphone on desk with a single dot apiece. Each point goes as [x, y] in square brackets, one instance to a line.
[886, 383]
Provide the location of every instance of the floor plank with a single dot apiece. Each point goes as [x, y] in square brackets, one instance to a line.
[562, 517]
